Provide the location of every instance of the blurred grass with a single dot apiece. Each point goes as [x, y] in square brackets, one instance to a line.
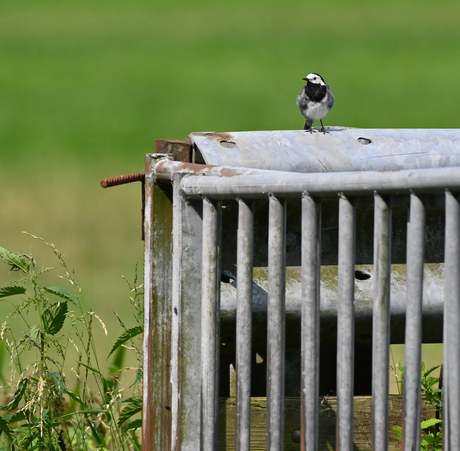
[86, 87]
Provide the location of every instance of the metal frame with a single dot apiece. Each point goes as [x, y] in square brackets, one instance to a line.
[194, 304]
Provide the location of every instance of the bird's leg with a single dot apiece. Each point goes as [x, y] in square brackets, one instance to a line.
[307, 126]
[323, 129]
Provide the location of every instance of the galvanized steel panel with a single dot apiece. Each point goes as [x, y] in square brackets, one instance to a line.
[341, 149]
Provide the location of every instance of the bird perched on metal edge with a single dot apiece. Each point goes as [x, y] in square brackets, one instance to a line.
[315, 101]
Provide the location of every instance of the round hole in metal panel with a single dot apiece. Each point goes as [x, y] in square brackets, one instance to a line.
[228, 144]
[364, 141]
[360, 275]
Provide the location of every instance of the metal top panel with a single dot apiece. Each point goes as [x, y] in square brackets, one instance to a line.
[341, 149]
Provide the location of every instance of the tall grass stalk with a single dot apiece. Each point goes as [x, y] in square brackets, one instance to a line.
[40, 410]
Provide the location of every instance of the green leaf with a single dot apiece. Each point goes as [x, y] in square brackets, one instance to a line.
[6, 429]
[132, 399]
[18, 395]
[35, 333]
[94, 370]
[427, 373]
[134, 407]
[80, 412]
[58, 382]
[17, 261]
[431, 422]
[96, 435]
[118, 358]
[75, 397]
[54, 317]
[398, 431]
[139, 376]
[126, 336]
[429, 439]
[136, 424]
[63, 293]
[11, 291]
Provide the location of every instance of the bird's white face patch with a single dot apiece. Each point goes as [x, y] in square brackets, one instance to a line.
[315, 78]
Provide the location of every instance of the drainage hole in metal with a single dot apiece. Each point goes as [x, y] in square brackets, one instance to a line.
[361, 275]
[228, 144]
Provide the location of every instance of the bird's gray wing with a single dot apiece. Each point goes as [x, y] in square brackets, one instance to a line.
[302, 100]
[330, 98]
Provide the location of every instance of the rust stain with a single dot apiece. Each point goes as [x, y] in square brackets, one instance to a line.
[230, 172]
[217, 136]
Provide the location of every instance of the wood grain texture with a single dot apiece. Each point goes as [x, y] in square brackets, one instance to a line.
[327, 422]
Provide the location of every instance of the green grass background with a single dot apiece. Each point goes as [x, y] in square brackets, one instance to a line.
[87, 86]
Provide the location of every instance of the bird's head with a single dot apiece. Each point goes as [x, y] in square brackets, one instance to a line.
[315, 79]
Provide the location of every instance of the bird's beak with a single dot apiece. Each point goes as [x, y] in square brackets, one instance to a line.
[306, 79]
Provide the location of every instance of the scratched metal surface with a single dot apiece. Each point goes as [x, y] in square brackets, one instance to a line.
[341, 149]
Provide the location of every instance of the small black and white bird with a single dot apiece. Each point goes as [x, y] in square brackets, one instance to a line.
[315, 100]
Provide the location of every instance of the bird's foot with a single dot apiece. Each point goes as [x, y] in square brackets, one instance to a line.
[322, 127]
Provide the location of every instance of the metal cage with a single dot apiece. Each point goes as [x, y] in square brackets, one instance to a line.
[293, 206]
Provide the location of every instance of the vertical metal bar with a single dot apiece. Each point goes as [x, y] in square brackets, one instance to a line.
[276, 323]
[244, 275]
[345, 324]
[451, 369]
[190, 325]
[176, 311]
[311, 273]
[210, 316]
[381, 323]
[157, 314]
[415, 260]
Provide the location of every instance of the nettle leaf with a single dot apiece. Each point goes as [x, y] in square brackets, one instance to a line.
[64, 294]
[54, 317]
[136, 424]
[18, 395]
[431, 422]
[11, 291]
[17, 261]
[398, 431]
[126, 336]
[134, 407]
[139, 376]
[58, 382]
[6, 429]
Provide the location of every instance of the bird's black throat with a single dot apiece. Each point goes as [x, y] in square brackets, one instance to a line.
[315, 91]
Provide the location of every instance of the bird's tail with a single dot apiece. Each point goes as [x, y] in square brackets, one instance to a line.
[308, 124]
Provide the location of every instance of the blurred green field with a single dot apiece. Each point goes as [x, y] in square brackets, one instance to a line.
[87, 86]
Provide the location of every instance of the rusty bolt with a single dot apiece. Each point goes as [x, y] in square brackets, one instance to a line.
[123, 179]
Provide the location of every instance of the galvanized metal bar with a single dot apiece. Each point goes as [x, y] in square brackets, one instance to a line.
[451, 368]
[190, 325]
[157, 315]
[413, 352]
[210, 316]
[311, 272]
[345, 324]
[226, 182]
[176, 312]
[244, 276]
[147, 395]
[276, 323]
[381, 323]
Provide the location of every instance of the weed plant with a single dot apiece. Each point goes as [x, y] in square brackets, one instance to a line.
[40, 410]
[431, 394]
